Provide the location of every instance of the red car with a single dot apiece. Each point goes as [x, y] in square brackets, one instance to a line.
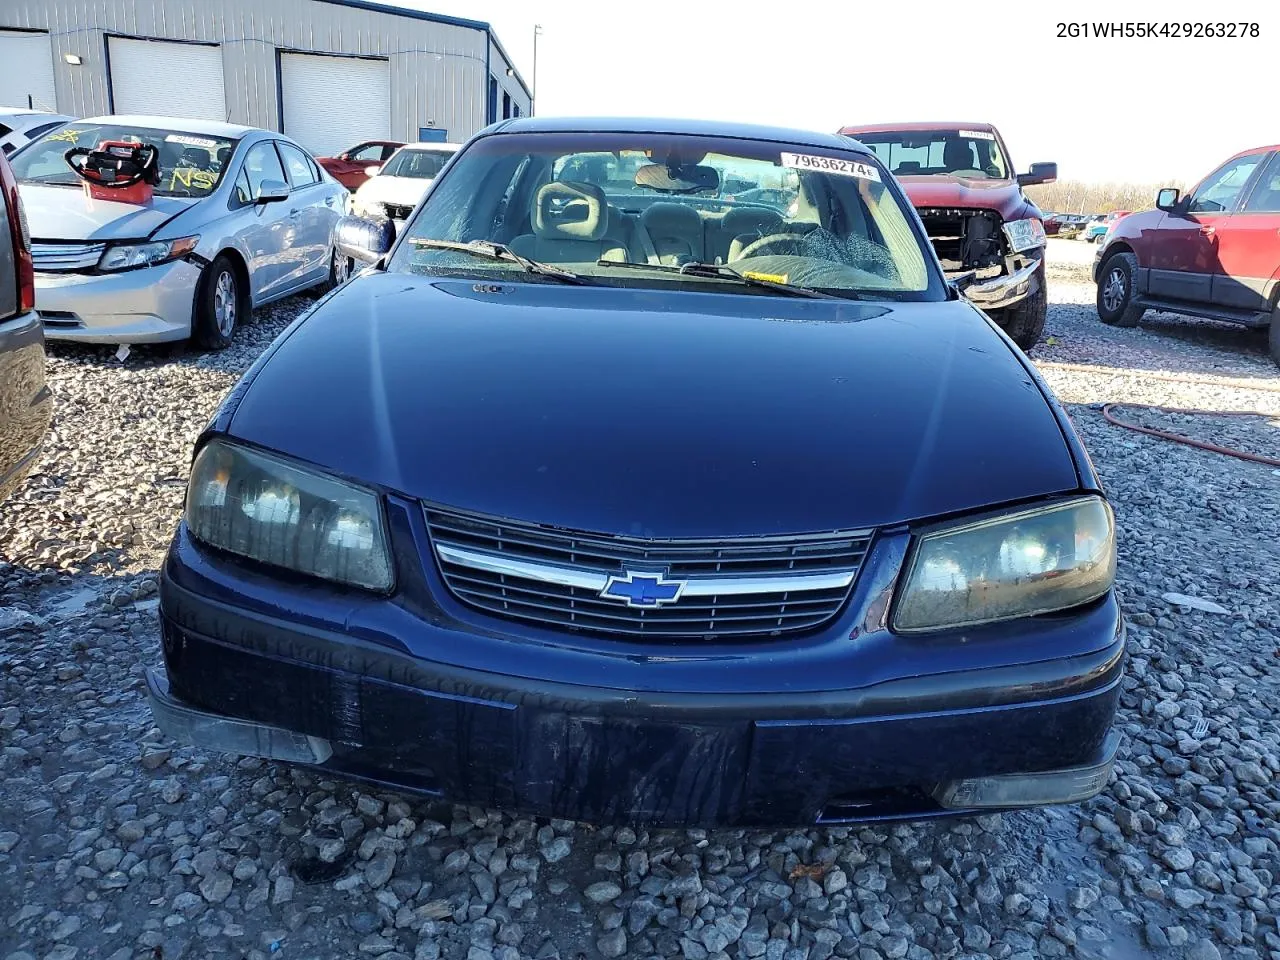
[351, 167]
[988, 234]
[1212, 253]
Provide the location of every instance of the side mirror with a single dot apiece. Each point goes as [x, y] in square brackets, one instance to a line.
[372, 171]
[272, 191]
[362, 239]
[1167, 199]
[1039, 173]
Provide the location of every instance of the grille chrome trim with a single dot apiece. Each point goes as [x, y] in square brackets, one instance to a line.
[698, 587]
[744, 587]
[50, 256]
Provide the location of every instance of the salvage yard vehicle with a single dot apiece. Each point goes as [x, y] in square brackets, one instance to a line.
[395, 188]
[988, 234]
[1213, 253]
[238, 217]
[351, 167]
[581, 522]
[19, 127]
[1100, 226]
[26, 405]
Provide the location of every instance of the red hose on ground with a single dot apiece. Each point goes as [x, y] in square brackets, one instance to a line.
[1179, 438]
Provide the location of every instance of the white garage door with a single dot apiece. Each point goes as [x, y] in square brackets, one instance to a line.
[167, 79]
[332, 103]
[26, 70]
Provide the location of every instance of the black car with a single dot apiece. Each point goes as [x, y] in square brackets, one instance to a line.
[25, 403]
[643, 503]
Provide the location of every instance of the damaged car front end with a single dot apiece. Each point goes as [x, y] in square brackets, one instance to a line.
[988, 235]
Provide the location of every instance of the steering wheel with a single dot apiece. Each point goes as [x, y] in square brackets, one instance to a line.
[755, 247]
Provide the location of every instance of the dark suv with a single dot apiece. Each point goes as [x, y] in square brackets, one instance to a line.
[25, 403]
[1213, 253]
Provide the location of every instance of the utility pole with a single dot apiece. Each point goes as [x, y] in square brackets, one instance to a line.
[537, 32]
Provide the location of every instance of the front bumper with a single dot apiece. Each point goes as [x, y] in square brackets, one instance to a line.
[149, 305]
[282, 685]
[1007, 290]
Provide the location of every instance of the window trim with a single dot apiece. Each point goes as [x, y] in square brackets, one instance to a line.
[267, 144]
[1272, 160]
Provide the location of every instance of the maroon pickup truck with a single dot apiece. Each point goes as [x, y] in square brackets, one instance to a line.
[1214, 252]
[989, 236]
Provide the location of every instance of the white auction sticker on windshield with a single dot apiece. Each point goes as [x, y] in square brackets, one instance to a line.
[978, 134]
[846, 168]
[191, 141]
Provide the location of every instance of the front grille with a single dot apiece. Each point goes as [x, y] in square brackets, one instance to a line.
[55, 255]
[750, 586]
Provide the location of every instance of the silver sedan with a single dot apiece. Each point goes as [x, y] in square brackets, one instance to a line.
[240, 217]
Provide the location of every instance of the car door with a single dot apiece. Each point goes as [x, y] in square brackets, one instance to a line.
[264, 228]
[1184, 255]
[313, 211]
[1249, 244]
[357, 160]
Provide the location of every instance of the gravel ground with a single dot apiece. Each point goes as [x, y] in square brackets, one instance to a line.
[115, 843]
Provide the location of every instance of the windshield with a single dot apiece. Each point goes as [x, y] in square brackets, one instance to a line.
[419, 164]
[814, 217]
[191, 164]
[961, 153]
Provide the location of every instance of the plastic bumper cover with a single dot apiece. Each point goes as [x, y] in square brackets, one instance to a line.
[1007, 290]
[148, 305]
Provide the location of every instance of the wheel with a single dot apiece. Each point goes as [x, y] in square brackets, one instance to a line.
[1024, 321]
[340, 270]
[1115, 291]
[1273, 341]
[220, 304]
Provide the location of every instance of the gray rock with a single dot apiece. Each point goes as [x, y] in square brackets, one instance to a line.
[216, 887]
[557, 850]
[1178, 858]
[378, 870]
[603, 891]
[613, 944]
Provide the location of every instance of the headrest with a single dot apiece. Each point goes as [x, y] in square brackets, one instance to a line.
[567, 209]
[193, 157]
[907, 166]
[747, 220]
[958, 155]
[675, 218]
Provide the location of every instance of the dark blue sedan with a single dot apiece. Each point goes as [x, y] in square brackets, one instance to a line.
[605, 494]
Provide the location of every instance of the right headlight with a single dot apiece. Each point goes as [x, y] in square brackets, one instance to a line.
[275, 511]
[1017, 565]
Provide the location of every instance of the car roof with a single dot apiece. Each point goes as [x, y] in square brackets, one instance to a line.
[706, 128]
[432, 145]
[916, 125]
[212, 128]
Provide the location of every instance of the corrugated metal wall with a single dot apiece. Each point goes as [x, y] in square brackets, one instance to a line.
[437, 69]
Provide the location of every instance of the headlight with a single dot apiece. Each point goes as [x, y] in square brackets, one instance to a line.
[269, 509]
[126, 256]
[1024, 234]
[1018, 565]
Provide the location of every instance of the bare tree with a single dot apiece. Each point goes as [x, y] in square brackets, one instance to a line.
[1076, 196]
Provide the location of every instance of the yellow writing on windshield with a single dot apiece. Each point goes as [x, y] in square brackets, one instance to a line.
[189, 177]
[66, 136]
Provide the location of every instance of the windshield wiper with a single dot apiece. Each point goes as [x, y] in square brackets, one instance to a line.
[491, 250]
[720, 271]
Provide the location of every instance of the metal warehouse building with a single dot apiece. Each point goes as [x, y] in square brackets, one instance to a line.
[329, 73]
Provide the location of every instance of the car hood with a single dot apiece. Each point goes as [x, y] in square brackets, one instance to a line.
[658, 413]
[68, 213]
[1003, 196]
[399, 190]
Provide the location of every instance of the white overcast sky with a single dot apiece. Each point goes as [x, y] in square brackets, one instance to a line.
[1137, 110]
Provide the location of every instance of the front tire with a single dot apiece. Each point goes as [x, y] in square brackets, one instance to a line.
[1024, 321]
[1273, 340]
[1115, 291]
[220, 302]
[340, 270]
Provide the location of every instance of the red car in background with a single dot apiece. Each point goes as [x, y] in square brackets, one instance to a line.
[1213, 253]
[351, 167]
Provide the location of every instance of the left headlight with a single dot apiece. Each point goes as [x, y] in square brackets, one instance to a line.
[1017, 565]
[126, 256]
[278, 512]
[1024, 234]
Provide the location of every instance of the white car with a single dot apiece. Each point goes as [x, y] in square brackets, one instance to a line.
[18, 127]
[395, 188]
[240, 217]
